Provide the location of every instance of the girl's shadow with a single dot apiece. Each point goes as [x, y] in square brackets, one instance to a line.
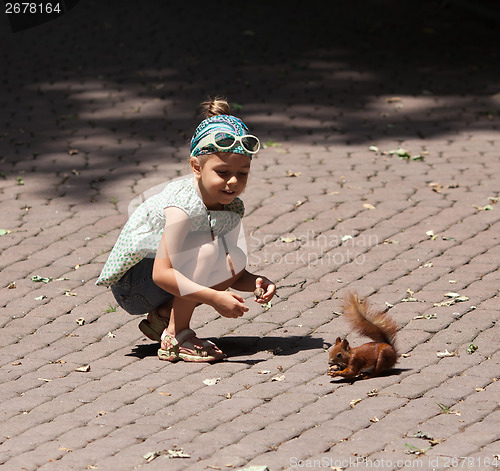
[237, 346]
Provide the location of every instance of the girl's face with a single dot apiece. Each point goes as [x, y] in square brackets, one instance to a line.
[221, 178]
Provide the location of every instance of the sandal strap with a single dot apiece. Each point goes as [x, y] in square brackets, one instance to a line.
[180, 338]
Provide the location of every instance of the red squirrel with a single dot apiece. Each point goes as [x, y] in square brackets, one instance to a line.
[371, 358]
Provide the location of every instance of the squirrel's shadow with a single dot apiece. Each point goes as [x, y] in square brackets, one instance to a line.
[391, 372]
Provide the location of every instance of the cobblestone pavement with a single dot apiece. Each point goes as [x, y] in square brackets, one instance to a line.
[380, 174]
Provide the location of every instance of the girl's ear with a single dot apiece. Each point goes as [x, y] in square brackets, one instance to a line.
[195, 166]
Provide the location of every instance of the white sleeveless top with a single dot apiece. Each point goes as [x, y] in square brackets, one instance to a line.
[142, 233]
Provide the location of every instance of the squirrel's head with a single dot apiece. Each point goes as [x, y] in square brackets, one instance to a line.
[339, 355]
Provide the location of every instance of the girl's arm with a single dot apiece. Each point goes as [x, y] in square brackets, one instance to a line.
[167, 277]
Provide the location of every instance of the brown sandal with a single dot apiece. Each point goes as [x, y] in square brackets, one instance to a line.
[184, 346]
[154, 325]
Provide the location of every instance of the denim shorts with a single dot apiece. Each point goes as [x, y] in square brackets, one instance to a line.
[136, 292]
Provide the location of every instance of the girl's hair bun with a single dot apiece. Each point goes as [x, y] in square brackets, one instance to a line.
[215, 106]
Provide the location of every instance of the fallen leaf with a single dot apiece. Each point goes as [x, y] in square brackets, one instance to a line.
[413, 450]
[175, 453]
[446, 354]
[151, 456]
[423, 435]
[435, 186]
[266, 306]
[455, 298]
[400, 152]
[471, 348]
[447, 410]
[426, 316]
[354, 402]
[410, 298]
[488, 207]
[41, 279]
[445, 303]
[431, 235]
[211, 382]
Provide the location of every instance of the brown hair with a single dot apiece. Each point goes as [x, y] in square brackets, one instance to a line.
[215, 106]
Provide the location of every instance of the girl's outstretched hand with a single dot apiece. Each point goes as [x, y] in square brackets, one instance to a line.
[229, 304]
[264, 290]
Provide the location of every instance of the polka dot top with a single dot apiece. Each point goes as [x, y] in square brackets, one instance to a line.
[142, 233]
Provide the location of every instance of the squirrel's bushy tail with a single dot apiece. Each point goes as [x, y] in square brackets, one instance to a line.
[376, 325]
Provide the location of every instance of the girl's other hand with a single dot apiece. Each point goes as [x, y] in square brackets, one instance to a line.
[229, 304]
[265, 289]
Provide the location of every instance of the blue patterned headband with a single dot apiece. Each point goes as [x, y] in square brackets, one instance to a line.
[224, 123]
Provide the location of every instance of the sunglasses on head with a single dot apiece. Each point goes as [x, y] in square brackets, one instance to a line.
[224, 140]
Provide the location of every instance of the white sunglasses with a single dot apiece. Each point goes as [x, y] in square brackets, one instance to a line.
[224, 140]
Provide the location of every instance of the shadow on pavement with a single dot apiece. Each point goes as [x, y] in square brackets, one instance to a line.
[236, 346]
[120, 82]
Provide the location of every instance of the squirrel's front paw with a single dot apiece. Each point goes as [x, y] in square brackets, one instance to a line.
[333, 370]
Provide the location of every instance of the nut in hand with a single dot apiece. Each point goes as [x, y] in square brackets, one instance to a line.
[258, 293]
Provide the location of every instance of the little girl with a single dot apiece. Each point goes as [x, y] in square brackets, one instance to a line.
[182, 247]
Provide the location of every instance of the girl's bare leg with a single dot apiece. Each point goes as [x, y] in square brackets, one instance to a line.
[180, 315]
[164, 309]
[182, 309]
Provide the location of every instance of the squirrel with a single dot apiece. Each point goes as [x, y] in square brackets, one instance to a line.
[371, 358]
